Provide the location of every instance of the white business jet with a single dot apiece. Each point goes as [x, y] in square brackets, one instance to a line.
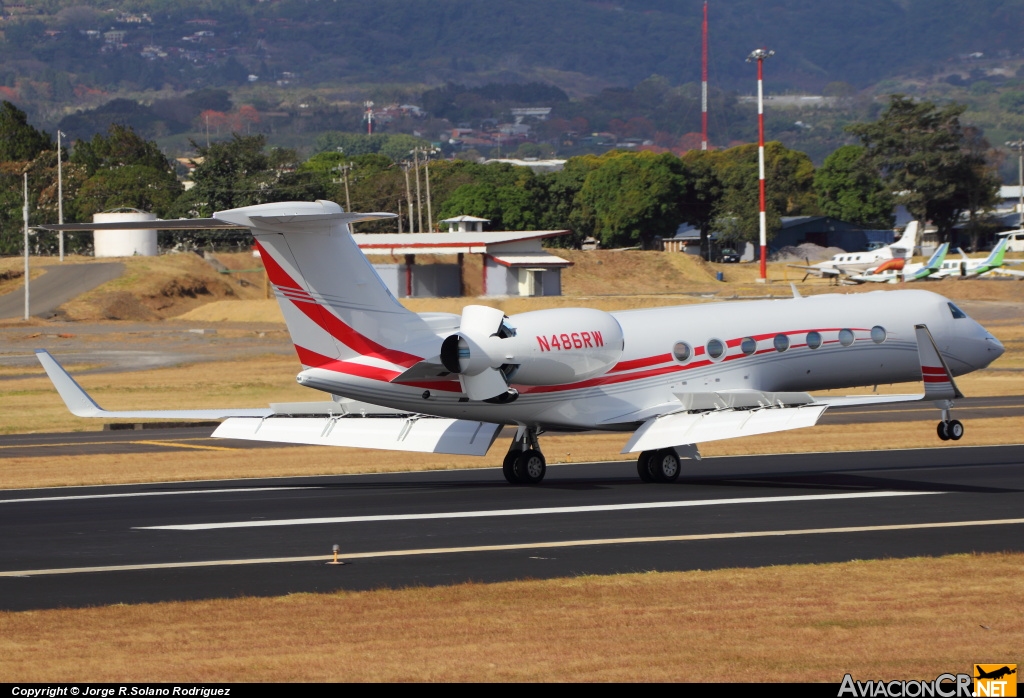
[672, 377]
[892, 256]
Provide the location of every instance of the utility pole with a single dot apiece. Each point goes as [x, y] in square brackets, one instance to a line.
[759, 55]
[24, 215]
[408, 197]
[348, 202]
[419, 200]
[1018, 145]
[704, 85]
[430, 214]
[60, 195]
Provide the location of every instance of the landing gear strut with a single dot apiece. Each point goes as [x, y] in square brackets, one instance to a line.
[949, 429]
[524, 464]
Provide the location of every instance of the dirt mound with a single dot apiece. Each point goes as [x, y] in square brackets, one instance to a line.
[161, 287]
[122, 305]
[807, 251]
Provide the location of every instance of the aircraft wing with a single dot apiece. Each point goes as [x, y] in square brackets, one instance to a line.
[829, 272]
[328, 423]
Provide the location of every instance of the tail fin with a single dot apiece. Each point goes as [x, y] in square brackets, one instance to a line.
[335, 304]
[908, 241]
[995, 258]
[937, 258]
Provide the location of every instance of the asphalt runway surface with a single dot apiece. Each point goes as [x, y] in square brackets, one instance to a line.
[56, 287]
[151, 440]
[73, 547]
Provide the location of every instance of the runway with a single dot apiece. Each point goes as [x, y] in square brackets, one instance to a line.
[72, 547]
[187, 438]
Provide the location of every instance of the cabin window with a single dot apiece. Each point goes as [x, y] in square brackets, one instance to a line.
[846, 337]
[681, 351]
[957, 313]
[877, 334]
[716, 348]
[748, 346]
[781, 343]
[814, 340]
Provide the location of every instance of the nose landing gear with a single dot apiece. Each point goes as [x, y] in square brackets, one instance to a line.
[949, 429]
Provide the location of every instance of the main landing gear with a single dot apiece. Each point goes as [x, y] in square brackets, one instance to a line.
[949, 429]
[524, 464]
[659, 466]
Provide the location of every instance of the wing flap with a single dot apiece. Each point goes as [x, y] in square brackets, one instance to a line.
[691, 428]
[413, 433]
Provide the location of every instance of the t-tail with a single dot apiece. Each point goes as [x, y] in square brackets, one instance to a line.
[338, 310]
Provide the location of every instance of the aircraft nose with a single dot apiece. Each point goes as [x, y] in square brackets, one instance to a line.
[994, 346]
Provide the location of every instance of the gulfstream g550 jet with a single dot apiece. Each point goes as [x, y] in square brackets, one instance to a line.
[672, 377]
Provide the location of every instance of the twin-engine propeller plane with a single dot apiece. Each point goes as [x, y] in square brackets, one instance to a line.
[673, 377]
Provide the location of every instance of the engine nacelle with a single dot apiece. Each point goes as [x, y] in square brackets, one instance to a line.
[543, 347]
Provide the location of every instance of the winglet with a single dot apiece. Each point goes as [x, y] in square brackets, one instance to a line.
[81, 405]
[796, 293]
[938, 379]
[77, 400]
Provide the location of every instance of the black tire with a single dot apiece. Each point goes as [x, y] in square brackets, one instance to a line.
[643, 466]
[665, 465]
[508, 467]
[943, 434]
[530, 467]
[955, 430]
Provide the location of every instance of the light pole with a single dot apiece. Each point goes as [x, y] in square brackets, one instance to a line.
[1018, 145]
[60, 195]
[24, 215]
[759, 55]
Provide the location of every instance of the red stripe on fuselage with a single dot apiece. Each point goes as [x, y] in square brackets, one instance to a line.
[328, 321]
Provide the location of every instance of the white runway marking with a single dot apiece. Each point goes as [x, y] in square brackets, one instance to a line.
[526, 512]
[241, 490]
[513, 546]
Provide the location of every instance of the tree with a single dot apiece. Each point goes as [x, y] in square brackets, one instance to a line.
[239, 172]
[19, 141]
[705, 193]
[123, 169]
[922, 151]
[634, 197]
[849, 189]
[789, 178]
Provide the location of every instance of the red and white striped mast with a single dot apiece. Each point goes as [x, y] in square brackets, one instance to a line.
[704, 82]
[759, 55]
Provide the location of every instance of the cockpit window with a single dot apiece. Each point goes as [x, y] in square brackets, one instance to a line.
[957, 313]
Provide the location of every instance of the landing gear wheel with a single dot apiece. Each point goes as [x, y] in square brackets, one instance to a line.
[643, 466]
[530, 467]
[955, 430]
[664, 465]
[508, 467]
[942, 431]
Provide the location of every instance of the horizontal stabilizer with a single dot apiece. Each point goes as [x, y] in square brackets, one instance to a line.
[81, 405]
[414, 433]
[694, 428]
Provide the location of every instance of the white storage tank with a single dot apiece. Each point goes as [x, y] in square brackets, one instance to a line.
[124, 243]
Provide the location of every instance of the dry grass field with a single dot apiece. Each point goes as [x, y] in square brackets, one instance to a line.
[880, 619]
[884, 619]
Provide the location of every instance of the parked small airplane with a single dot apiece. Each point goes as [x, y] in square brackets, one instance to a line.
[674, 377]
[848, 263]
[967, 267]
[908, 272]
